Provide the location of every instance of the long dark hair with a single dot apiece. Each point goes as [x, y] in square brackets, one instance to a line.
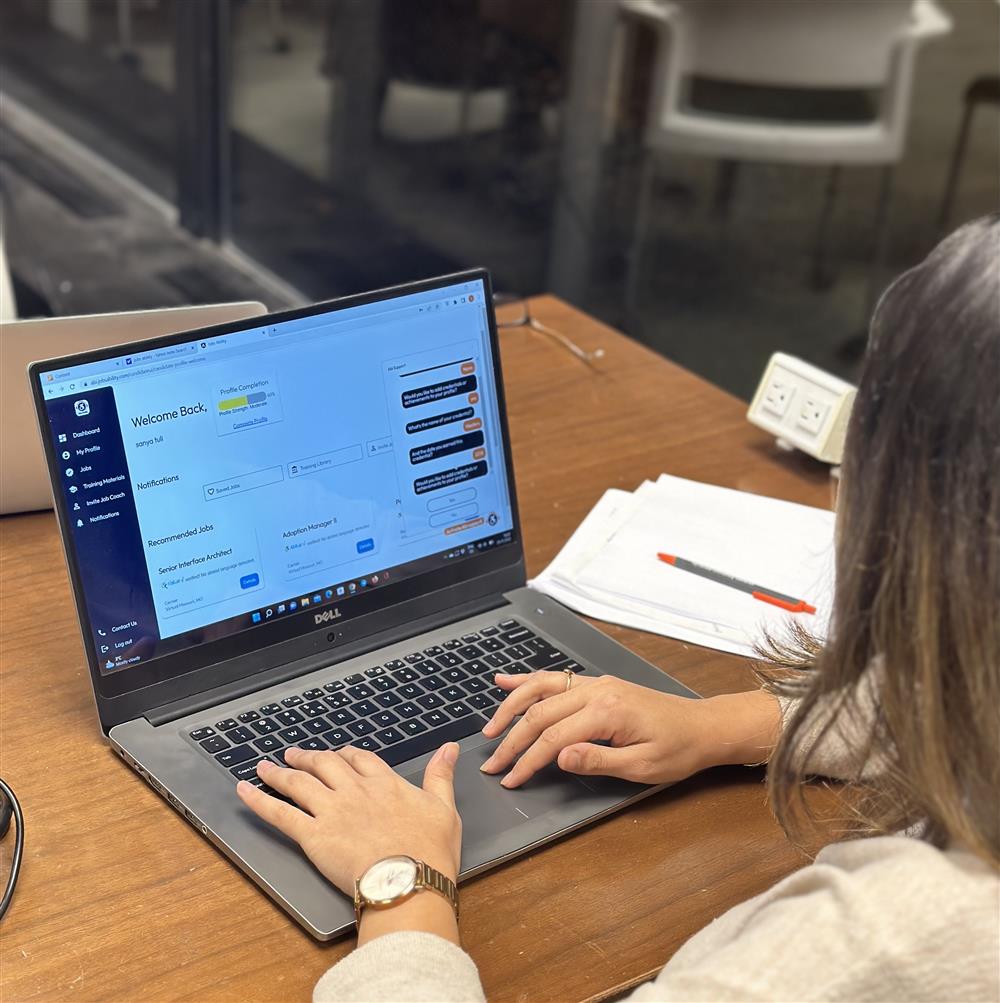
[909, 676]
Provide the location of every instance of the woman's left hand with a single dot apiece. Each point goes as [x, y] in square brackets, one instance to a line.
[354, 810]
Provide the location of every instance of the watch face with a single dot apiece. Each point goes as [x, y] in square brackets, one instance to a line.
[388, 879]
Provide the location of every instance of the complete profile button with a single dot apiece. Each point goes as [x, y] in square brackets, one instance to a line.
[250, 581]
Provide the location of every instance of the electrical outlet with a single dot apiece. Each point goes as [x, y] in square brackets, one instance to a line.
[812, 414]
[803, 407]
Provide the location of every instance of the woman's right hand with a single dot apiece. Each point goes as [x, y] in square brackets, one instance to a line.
[654, 737]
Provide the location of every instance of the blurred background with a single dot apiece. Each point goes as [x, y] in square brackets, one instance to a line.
[719, 178]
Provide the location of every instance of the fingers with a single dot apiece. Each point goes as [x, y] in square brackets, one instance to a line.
[439, 776]
[628, 763]
[284, 817]
[303, 788]
[536, 752]
[363, 762]
[327, 767]
[527, 691]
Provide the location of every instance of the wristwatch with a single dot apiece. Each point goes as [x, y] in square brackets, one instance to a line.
[395, 879]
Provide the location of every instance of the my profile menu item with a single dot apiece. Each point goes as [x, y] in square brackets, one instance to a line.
[276, 468]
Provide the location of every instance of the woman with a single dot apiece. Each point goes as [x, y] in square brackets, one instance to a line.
[902, 701]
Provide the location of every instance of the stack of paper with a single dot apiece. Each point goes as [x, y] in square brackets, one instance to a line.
[609, 569]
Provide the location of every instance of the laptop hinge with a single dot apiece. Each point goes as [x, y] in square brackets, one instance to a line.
[279, 673]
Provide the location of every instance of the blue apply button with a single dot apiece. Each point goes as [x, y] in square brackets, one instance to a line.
[249, 581]
[365, 545]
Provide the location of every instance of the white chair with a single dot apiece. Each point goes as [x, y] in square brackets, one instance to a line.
[793, 44]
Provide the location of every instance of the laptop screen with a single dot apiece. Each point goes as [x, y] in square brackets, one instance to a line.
[226, 482]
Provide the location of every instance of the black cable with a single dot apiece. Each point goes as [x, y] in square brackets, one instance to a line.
[15, 860]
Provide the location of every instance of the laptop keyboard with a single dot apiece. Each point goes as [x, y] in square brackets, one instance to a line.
[399, 710]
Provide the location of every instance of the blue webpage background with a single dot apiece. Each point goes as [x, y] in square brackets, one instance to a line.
[351, 442]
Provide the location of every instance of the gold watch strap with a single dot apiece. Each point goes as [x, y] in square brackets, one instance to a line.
[428, 877]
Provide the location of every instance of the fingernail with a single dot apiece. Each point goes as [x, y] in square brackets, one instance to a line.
[506, 782]
[485, 768]
[502, 675]
[451, 753]
[571, 760]
[242, 786]
[265, 764]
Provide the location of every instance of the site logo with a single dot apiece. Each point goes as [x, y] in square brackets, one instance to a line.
[327, 616]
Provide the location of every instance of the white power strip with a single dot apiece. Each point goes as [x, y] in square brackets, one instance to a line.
[803, 406]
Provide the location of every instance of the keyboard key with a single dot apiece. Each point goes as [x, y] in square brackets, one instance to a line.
[317, 726]
[434, 682]
[240, 734]
[537, 644]
[458, 709]
[337, 701]
[270, 708]
[451, 693]
[287, 717]
[264, 726]
[236, 755]
[396, 663]
[338, 737]
[314, 744]
[292, 701]
[417, 656]
[489, 631]
[293, 734]
[214, 744]
[227, 723]
[280, 756]
[368, 744]
[573, 667]
[470, 638]
[313, 709]
[508, 624]
[429, 701]
[428, 667]
[491, 644]
[340, 717]
[408, 709]
[518, 651]
[364, 708]
[360, 692]
[405, 675]
[436, 718]
[385, 718]
[433, 650]
[454, 675]
[497, 659]
[354, 679]
[268, 743]
[411, 727]
[313, 694]
[480, 701]
[449, 659]
[497, 693]
[199, 733]
[517, 669]
[247, 716]
[383, 684]
[247, 770]
[545, 659]
[475, 685]
[410, 691]
[374, 672]
[337, 684]
[387, 699]
[360, 728]
[517, 635]
[452, 645]
[389, 736]
[451, 731]
[475, 667]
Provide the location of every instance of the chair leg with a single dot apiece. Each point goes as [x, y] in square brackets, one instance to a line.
[822, 276]
[957, 157]
[647, 171]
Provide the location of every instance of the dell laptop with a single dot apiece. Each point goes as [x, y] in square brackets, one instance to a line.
[302, 529]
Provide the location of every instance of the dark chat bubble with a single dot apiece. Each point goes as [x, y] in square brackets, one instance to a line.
[445, 447]
[424, 424]
[446, 478]
[439, 391]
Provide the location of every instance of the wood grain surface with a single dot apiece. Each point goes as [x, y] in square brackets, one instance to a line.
[119, 899]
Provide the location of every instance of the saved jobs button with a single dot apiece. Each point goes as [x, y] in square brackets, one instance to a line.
[250, 581]
[364, 546]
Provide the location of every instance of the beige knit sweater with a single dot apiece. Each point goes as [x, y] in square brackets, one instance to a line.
[886, 918]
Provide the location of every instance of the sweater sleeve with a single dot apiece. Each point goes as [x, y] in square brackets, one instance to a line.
[406, 967]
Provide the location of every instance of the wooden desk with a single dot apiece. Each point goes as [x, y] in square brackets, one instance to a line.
[121, 900]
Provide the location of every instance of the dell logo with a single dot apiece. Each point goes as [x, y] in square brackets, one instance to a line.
[327, 616]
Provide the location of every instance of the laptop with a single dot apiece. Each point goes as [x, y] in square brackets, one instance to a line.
[24, 481]
[302, 529]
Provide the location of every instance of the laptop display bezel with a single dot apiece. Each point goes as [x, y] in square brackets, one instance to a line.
[177, 675]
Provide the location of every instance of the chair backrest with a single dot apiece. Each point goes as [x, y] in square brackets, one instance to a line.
[792, 43]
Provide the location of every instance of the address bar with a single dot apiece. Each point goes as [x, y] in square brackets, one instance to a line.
[172, 364]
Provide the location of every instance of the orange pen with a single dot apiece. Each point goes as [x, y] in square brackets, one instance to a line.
[789, 603]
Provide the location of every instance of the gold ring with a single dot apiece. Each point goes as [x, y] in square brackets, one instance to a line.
[569, 679]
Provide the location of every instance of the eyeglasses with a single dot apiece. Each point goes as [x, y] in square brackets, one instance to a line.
[525, 319]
